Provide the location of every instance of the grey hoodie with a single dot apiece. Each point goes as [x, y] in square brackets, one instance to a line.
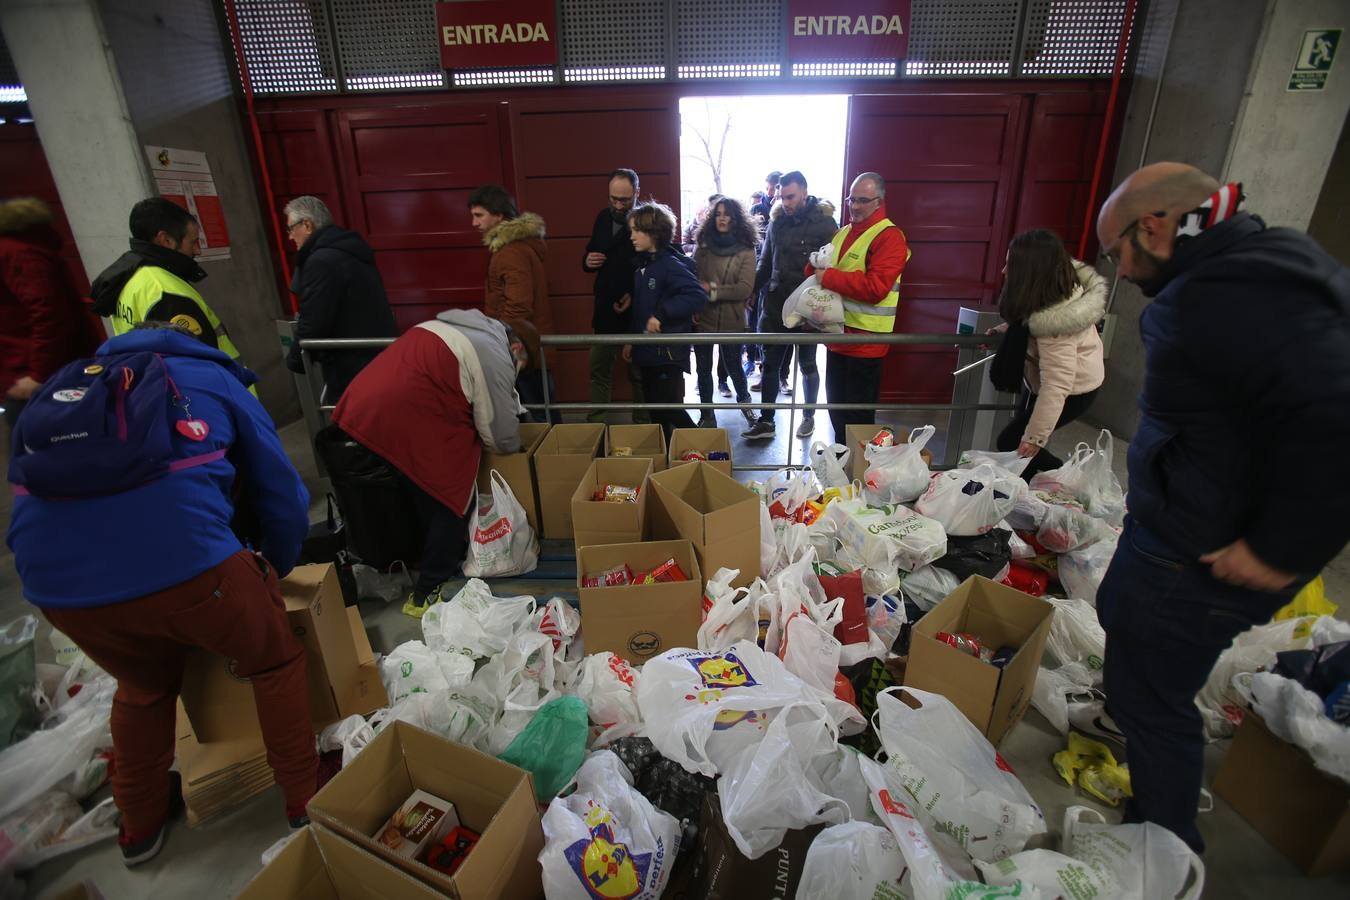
[487, 374]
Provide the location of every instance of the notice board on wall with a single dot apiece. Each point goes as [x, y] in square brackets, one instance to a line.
[184, 176]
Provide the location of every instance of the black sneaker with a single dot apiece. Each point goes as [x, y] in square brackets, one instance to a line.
[807, 427]
[146, 849]
[707, 420]
[761, 430]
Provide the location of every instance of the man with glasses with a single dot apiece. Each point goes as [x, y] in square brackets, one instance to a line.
[609, 254]
[1246, 385]
[869, 256]
[341, 293]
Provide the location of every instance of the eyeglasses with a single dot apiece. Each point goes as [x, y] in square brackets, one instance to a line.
[862, 201]
[1113, 253]
[294, 225]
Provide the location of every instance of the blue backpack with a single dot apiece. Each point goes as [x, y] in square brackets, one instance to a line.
[102, 426]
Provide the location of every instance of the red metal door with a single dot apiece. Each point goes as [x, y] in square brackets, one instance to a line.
[951, 163]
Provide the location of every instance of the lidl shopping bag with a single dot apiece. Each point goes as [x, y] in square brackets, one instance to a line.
[501, 541]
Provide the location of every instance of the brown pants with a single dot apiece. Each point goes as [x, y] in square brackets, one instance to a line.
[234, 609]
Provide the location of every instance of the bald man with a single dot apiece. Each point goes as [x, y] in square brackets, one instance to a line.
[1246, 399]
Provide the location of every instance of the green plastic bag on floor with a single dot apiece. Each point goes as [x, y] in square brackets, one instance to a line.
[552, 746]
[18, 677]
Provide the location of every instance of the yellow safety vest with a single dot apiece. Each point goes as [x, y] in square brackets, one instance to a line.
[145, 288]
[879, 318]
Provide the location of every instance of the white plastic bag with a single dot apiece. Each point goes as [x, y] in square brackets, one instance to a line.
[768, 788]
[1297, 715]
[788, 490]
[412, 668]
[701, 708]
[560, 622]
[886, 617]
[606, 839]
[606, 685]
[1088, 477]
[971, 501]
[812, 653]
[897, 474]
[886, 537]
[1054, 687]
[52, 825]
[70, 738]
[853, 861]
[1081, 571]
[814, 307]
[523, 678]
[956, 777]
[463, 716]
[501, 541]
[1009, 460]
[928, 586]
[823, 258]
[729, 614]
[829, 463]
[1252, 651]
[349, 735]
[1062, 526]
[1075, 634]
[475, 623]
[1105, 862]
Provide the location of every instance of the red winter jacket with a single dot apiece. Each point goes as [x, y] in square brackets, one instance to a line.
[43, 324]
[885, 261]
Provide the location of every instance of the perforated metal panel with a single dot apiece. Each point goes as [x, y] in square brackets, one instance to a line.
[388, 44]
[287, 45]
[971, 38]
[500, 77]
[1071, 38]
[873, 68]
[613, 40]
[11, 88]
[716, 39]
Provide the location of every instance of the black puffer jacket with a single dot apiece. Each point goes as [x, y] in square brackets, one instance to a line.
[788, 245]
[341, 296]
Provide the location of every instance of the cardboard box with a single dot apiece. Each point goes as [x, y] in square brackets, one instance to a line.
[639, 621]
[343, 677]
[716, 513]
[597, 522]
[319, 865]
[994, 699]
[517, 469]
[492, 797]
[643, 440]
[704, 440]
[858, 435]
[560, 462]
[1302, 812]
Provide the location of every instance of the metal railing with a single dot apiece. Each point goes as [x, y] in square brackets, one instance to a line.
[316, 412]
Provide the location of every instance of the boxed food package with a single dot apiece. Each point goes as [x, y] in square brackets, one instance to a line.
[859, 436]
[717, 514]
[616, 519]
[319, 865]
[1303, 812]
[421, 821]
[560, 462]
[701, 441]
[491, 797]
[638, 621]
[343, 677]
[517, 469]
[993, 697]
[647, 441]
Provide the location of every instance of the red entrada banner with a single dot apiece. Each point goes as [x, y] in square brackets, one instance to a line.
[496, 34]
[852, 29]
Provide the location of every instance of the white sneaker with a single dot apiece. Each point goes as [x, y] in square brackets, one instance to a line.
[1091, 718]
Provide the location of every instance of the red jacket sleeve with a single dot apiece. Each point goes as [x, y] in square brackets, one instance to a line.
[42, 289]
[885, 261]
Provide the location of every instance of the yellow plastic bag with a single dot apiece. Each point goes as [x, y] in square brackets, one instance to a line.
[1311, 601]
[1093, 766]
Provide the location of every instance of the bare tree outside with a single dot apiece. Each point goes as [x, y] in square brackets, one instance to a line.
[712, 145]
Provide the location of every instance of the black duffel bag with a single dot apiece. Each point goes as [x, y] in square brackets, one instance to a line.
[378, 513]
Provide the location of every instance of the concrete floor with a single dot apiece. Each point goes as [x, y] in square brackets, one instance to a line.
[217, 859]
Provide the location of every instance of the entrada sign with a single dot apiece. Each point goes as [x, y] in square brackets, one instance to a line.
[820, 30]
[489, 34]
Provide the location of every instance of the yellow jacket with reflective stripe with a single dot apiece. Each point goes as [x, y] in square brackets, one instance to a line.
[880, 317]
[146, 287]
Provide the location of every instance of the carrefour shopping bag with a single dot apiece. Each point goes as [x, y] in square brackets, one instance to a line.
[501, 541]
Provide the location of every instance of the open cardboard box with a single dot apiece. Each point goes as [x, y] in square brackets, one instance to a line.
[560, 462]
[342, 675]
[517, 469]
[643, 440]
[600, 522]
[993, 699]
[641, 620]
[718, 514]
[704, 440]
[492, 797]
[857, 436]
[1303, 812]
[319, 865]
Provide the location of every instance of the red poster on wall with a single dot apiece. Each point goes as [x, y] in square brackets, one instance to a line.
[184, 176]
[495, 34]
[833, 30]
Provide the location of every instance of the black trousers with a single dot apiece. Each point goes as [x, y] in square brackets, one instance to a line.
[665, 384]
[530, 387]
[447, 538]
[1009, 439]
[850, 379]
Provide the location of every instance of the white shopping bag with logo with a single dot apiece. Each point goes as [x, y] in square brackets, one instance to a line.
[814, 307]
[605, 839]
[475, 623]
[606, 686]
[898, 473]
[853, 861]
[971, 501]
[501, 541]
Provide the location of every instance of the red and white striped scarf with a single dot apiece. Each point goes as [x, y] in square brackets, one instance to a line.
[1222, 205]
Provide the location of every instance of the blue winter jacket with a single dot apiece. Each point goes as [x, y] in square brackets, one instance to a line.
[104, 550]
[665, 286]
[1246, 401]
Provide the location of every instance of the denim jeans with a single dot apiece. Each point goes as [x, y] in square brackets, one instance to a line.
[1167, 619]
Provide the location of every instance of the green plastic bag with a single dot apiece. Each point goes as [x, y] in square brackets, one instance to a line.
[552, 746]
[18, 677]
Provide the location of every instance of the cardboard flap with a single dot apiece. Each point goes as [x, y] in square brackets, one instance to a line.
[298, 871]
[371, 787]
[643, 440]
[359, 875]
[571, 440]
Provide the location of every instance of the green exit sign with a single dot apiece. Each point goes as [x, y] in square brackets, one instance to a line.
[1315, 55]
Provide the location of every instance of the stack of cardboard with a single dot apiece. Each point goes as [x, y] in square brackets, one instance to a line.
[220, 748]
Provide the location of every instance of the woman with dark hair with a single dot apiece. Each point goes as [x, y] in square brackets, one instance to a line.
[725, 259]
[1051, 352]
[666, 298]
